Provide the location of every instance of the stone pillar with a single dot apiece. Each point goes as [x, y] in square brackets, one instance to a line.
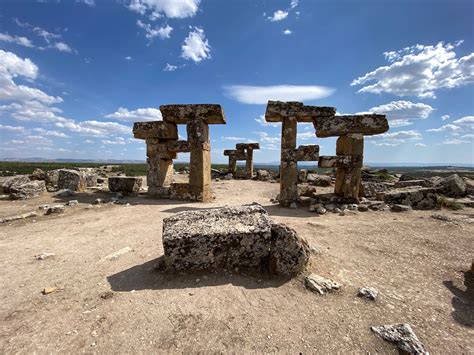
[200, 160]
[288, 168]
[249, 163]
[348, 178]
[232, 164]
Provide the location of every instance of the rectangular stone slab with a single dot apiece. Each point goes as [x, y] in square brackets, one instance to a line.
[166, 148]
[340, 161]
[278, 110]
[180, 114]
[240, 146]
[341, 125]
[155, 129]
[308, 152]
[236, 154]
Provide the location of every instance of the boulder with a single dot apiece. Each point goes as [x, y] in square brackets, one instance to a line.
[263, 175]
[38, 174]
[231, 237]
[408, 183]
[402, 336]
[319, 180]
[371, 189]
[91, 179]
[125, 185]
[52, 177]
[307, 191]
[302, 175]
[369, 293]
[28, 190]
[8, 181]
[419, 198]
[469, 185]
[452, 186]
[71, 179]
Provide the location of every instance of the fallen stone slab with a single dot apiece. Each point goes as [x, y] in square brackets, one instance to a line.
[29, 190]
[118, 253]
[369, 293]
[71, 179]
[8, 181]
[423, 198]
[321, 285]
[402, 336]
[125, 185]
[230, 237]
[452, 186]
[64, 193]
[408, 183]
[400, 208]
[319, 180]
[17, 217]
[335, 126]
[56, 209]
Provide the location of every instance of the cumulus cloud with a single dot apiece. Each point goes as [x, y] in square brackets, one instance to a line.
[393, 139]
[12, 128]
[232, 138]
[419, 70]
[153, 32]
[170, 67]
[117, 140]
[444, 117]
[168, 8]
[446, 128]
[467, 120]
[62, 47]
[278, 15]
[406, 110]
[22, 41]
[261, 94]
[454, 141]
[261, 121]
[287, 32]
[141, 114]
[196, 47]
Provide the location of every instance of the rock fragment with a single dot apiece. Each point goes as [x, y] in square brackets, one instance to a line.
[28, 190]
[118, 253]
[56, 209]
[400, 208]
[452, 186]
[368, 292]
[319, 284]
[402, 336]
[17, 217]
[48, 290]
[125, 185]
[44, 256]
[71, 179]
[64, 193]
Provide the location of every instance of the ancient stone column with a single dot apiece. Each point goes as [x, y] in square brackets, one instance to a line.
[288, 164]
[249, 163]
[348, 178]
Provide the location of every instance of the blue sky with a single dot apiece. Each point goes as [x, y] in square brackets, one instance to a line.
[75, 75]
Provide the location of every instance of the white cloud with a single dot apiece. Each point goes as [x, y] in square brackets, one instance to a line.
[467, 120]
[169, 8]
[306, 135]
[231, 138]
[128, 58]
[454, 141]
[287, 32]
[393, 139]
[196, 47]
[62, 47]
[403, 110]
[400, 123]
[446, 128]
[12, 128]
[22, 41]
[95, 128]
[419, 70]
[46, 35]
[262, 122]
[266, 138]
[153, 32]
[45, 132]
[170, 67]
[385, 144]
[444, 117]
[141, 114]
[261, 94]
[420, 145]
[88, 141]
[278, 15]
[470, 135]
[87, 2]
[117, 140]
[294, 3]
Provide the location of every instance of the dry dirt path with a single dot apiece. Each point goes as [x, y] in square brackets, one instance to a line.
[415, 261]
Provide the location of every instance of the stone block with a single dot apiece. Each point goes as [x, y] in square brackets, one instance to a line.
[452, 186]
[408, 183]
[125, 184]
[307, 153]
[180, 114]
[8, 181]
[369, 124]
[419, 198]
[231, 237]
[341, 161]
[28, 190]
[72, 179]
[155, 129]
[277, 111]
[240, 146]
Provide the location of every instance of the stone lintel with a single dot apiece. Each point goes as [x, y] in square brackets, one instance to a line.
[181, 114]
[307, 153]
[155, 129]
[341, 161]
[277, 111]
[157, 151]
[235, 154]
[369, 124]
[242, 146]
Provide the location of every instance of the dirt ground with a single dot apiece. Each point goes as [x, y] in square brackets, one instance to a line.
[417, 263]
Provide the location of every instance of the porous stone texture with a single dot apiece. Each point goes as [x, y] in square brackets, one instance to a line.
[39, 174]
[8, 181]
[278, 110]
[369, 293]
[264, 175]
[125, 185]
[423, 198]
[71, 179]
[371, 189]
[321, 285]
[242, 151]
[28, 190]
[230, 237]
[369, 124]
[408, 183]
[53, 177]
[180, 114]
[402, 336]
[452, 186]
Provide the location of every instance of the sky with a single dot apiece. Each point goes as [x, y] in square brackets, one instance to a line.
[75, 75]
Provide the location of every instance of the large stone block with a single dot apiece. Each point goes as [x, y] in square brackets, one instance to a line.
[277, 111]
[155, 129]
[452, 186]
[180, 114]
[341, 161]
[240, 146]
[28, 190]
[232, 237]
[419, 198]
[369, 124]
[8, 181]
[125, 184]
[307, 153]
[72, 180]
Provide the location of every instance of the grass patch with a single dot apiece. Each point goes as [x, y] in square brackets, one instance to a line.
[449, 204]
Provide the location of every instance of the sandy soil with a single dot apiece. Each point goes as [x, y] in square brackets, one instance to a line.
[416, 262]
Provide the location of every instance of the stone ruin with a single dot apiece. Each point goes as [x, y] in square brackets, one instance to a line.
[242, 151]
[350, 130]
[162, 147]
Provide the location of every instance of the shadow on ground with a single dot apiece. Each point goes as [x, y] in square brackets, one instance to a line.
[146, 277]
[463, 301]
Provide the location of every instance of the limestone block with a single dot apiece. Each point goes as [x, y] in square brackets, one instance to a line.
[419, 198]
[180, 114]
[352, 144]
[340, 161]
[71, 179]
[155, 129]
[307, 153]
[198, 131]
[28, 190]
[277, 111]
[369, 124]
[240, 146]
[125, 184]
[161, 150]
[160, 172]
[8, 181]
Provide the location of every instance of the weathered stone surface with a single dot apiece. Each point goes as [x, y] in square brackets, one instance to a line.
[91, 179]
[125, 185]
[307, 153]
[28, 190]
[371, 189]
[232, 237]
[369, 124]
[264, 175]
[53, 177]
[402, 336]
[72, 180]
[341, 161]
[56, 209]
[17, 217]
[418, 198]
[208, 113]
[305, 190]
[39, 174]
[368, 292]
[241, 146]
[452, 186]
[155, 129]
[278, 110]
[8, 181]
[408, 183]
[400, 208]
[321, 285]
[319, 180]
[64, 193]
